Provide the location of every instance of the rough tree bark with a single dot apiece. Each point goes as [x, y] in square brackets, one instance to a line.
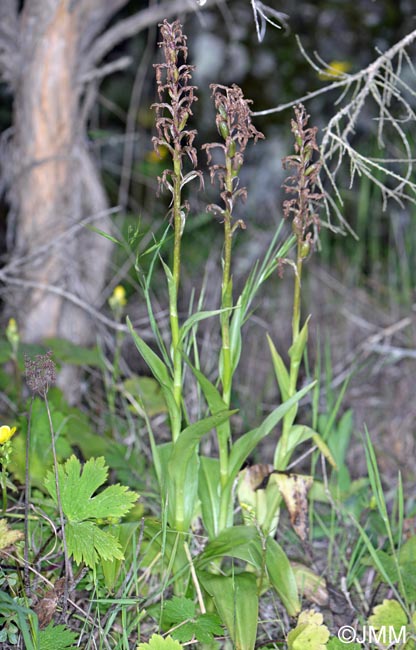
[53, 183]
[49, 53]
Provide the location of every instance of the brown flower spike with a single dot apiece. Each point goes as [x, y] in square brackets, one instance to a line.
[176, 96]
[301, 208]
[234, 124]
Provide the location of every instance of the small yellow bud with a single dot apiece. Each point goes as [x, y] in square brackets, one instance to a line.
[6, 433]
[335, 70]
[118, 299]
[12, 334]
[157, 156]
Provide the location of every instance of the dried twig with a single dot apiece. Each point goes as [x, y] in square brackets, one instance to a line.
[138, 22]
[379, 87]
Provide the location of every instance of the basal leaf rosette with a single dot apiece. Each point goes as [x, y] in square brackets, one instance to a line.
[86, 541]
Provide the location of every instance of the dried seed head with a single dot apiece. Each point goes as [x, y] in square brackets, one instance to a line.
[40, 373]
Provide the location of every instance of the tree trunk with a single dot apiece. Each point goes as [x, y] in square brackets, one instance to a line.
[49, 51]
[55, 184]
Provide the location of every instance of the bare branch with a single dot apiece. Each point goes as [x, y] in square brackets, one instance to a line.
[8, 39]
[380, 95]
[134, 24]
[70, 297]
[115, 66]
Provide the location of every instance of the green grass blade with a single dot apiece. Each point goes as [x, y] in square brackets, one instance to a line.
[249, 441]
[160, 373]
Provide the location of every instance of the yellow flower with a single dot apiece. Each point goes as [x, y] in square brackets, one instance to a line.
[157, 156]
[335, 70]
[118, 299]
[6, 433]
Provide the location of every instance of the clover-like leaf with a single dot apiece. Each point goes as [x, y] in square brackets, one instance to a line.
[389, 614]
[157, 642]
[176, 610]
[336, 644]
[180, 613]
[310, 633]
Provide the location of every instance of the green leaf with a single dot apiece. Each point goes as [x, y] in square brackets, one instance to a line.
[190, 437]
[5, 351]
[114, 570]
[88, 543]
[181, 613]
[280, 370]
[389, 614]
[41, 458]
[297, 348]
[196, 318]
[214, 400]
[171, 284]
[76, 355]
[148, 391]
[282, 576]
[56, 637]
[407, 563]
[104, 234]
[157, 642]
[336, 644]
[309, 634]
[339, 437]
[249, 441]
[10, 607]
[160, 372]
[236, 600]
[408, 551]
[85, 540]
[203, 629]
[183, 470]
[78, 485]
[242, 542]
[209, 494]
[389, 565]
[176, 610]
[300, 433]
[237, 321]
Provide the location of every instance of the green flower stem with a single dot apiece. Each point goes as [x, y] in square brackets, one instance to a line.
[225, 501]
[296, 294]
[115, 375]
[4, 487]
[173, 296]
[294, 363]
[5, 452]
[174, 320]
[227, 373]
[226, 304]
